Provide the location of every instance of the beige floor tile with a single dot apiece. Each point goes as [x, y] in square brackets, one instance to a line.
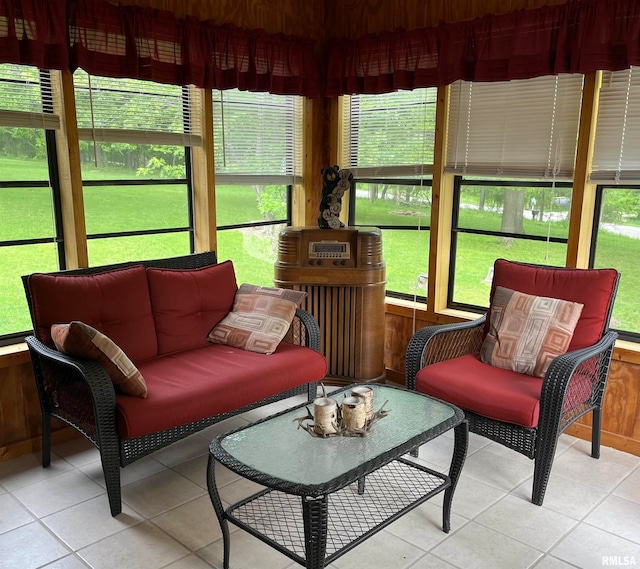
[430, 561]
[490, 466]
[472, 497]
[28, 547]
[539, 527]
[381, 550]
[230, 424]
[58, 492]
[604, 473]
[136, 471]
[89, 522]
[193, 524]
[159, 493]
[142, 546]
[69, 562]
[12, 514]
[565, 496]
[629, 488]
[236, 491]
[190, 562]
[28, 469]
[588, 547]
[478, 547]
[548, 562]
[178, 452]
[78, 452]
[246, 552]
[422, 526]
[617, 516]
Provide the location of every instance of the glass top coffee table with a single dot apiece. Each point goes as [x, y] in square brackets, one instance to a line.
[324, 496]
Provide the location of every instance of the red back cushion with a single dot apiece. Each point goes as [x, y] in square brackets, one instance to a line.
[116, 303]
[594, 288]
[188, 303]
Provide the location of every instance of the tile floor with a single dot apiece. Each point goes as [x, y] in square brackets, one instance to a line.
[59, 517]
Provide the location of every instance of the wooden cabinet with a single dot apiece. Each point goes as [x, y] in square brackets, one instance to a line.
[343, 274]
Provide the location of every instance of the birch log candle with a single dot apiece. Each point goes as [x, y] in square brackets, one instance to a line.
[367, 394]
[325, 415]
[354, 415]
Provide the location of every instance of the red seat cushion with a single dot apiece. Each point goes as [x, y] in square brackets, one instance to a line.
[201, 382]
[116, 303]
[492, 392]
[591, 287]
[188, 303]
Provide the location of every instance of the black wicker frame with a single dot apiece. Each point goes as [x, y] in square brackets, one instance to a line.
[93, 413]
[298, 514]
[439, 343]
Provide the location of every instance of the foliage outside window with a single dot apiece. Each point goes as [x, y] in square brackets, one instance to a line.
[258, 159]
[388, 145]
[30, 237]
[135, 139]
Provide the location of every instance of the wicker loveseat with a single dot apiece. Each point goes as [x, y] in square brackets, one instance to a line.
[159, 313]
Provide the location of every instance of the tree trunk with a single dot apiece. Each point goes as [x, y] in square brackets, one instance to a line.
[512, 215]
[483, 192]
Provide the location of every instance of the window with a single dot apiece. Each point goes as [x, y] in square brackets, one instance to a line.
[30, 232]
[512, 147]
[135, 139]
[388, 145]
[616, 165]
[258, 159]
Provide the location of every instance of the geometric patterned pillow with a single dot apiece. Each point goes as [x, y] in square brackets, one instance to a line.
[527, 332]
[257, 323]
[296, 296]
[81, 340]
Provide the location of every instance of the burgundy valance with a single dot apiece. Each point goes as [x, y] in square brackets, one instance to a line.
[34, 32]
[145, 43]
[577, 37]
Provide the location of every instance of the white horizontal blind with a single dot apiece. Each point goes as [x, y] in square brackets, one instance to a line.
[24, 100]
[257, 138]
[134, 111]
[616, 155]
[515, 129]
[390, 134]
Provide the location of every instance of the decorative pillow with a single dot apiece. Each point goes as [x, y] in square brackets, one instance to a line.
[527, 332]
[79, 339]
[257, 322]
[296, 296]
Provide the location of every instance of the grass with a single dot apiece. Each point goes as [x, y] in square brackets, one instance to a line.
[27, 213]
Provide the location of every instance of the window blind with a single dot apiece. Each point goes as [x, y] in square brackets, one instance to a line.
[25, 98]
[616, 155]
[257, 138]
[134, 111]
[515, 129]
[391, 134]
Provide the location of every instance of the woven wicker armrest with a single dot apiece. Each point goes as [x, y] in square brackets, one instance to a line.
[575, 381]
[54, 371]
[304, 330]
[434, 344]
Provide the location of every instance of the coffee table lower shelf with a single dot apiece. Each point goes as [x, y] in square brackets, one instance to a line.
[279, 519]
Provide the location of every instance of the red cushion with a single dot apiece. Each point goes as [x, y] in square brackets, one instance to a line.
[591, 287]
[115, 302]
[187, 304]
[492, 392]
[202, 382]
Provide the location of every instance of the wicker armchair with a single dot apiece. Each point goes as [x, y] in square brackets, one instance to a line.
[574, 384]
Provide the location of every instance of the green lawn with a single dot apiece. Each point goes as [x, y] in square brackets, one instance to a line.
[27, 213]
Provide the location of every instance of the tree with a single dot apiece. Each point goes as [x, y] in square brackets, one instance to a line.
[512, 214]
